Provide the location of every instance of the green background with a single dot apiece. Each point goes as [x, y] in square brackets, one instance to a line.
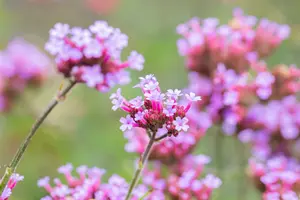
[84, 129]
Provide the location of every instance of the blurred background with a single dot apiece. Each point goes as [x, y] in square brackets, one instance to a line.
[83, 129]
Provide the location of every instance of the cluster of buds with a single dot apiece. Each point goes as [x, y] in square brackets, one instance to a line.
[182, 180]
[92, 56]
[237, 44]
[88, 185]
[21, 65]
[278, 178]
[14, 179]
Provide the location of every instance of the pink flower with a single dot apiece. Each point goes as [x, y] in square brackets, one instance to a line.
[14, 179]
[89, 185]
[156, 110]
[94, 53]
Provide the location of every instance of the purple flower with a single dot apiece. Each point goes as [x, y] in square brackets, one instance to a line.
[60, 30]
[92, 76]
[192, 97]
[136, 61]
[77, 49]
[181, 124]
[127, 123]
[231, 98]
[264, 79]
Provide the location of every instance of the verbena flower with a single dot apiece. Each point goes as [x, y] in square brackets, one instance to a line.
[243, 40]
[14, 179]
[182, 180]
[21, 65]
[92, 56]
[88, 185]
[278, 177]
[157, 112]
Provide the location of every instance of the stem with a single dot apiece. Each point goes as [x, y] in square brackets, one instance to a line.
[161, 137]
[141, 166]
[218, 151]
[19, 154]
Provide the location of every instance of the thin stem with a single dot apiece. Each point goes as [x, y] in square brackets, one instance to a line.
[141, 166]
[218, 150]
[19, 154]
[161, 137]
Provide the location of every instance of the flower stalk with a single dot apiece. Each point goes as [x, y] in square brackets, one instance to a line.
[141, 165]
[19, 154]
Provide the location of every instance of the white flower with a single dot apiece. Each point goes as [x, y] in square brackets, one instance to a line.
[181, 124]
[127, 123]
[192, 97]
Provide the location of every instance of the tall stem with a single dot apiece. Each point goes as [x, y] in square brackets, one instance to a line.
[218, 150]
[19, 154]
[141, 166]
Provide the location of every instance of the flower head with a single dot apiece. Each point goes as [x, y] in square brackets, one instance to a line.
[88, 185]
[156, 110]
[93, 55]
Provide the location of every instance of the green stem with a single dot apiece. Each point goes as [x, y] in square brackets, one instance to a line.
[218, 151]
[19, 154]
[141, 165]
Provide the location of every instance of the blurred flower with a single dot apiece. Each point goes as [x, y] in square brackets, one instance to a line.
[102, 6]
[21, 65]
[169, 150]
[182, 179]
[278, 177]
[92, 56]
[243, 40]
[88, 185]
[156, 111]
[14, 179]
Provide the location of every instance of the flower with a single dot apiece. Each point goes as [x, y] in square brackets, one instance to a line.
[181, 124]
[89, 185]
[182, 179]
[92, 56]
[14, 179]
[156, 110]
[22, 65]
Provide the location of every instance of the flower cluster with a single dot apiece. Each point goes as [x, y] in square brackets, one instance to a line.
[237, 44]
[182, 180]
[276, 123]
[21, 65]
[92, 56]
[238, 90]
[88, 185]
[14, 179]
[278, 178]
[159, 113]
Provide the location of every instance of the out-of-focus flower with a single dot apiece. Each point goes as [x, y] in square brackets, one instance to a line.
[158, 112]
[102, 6]
[92, 56]
[88, 185]
[14, 179]
[21, 65]
[278, 177]
[169, 150]
[243, 40]
[182, 180]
